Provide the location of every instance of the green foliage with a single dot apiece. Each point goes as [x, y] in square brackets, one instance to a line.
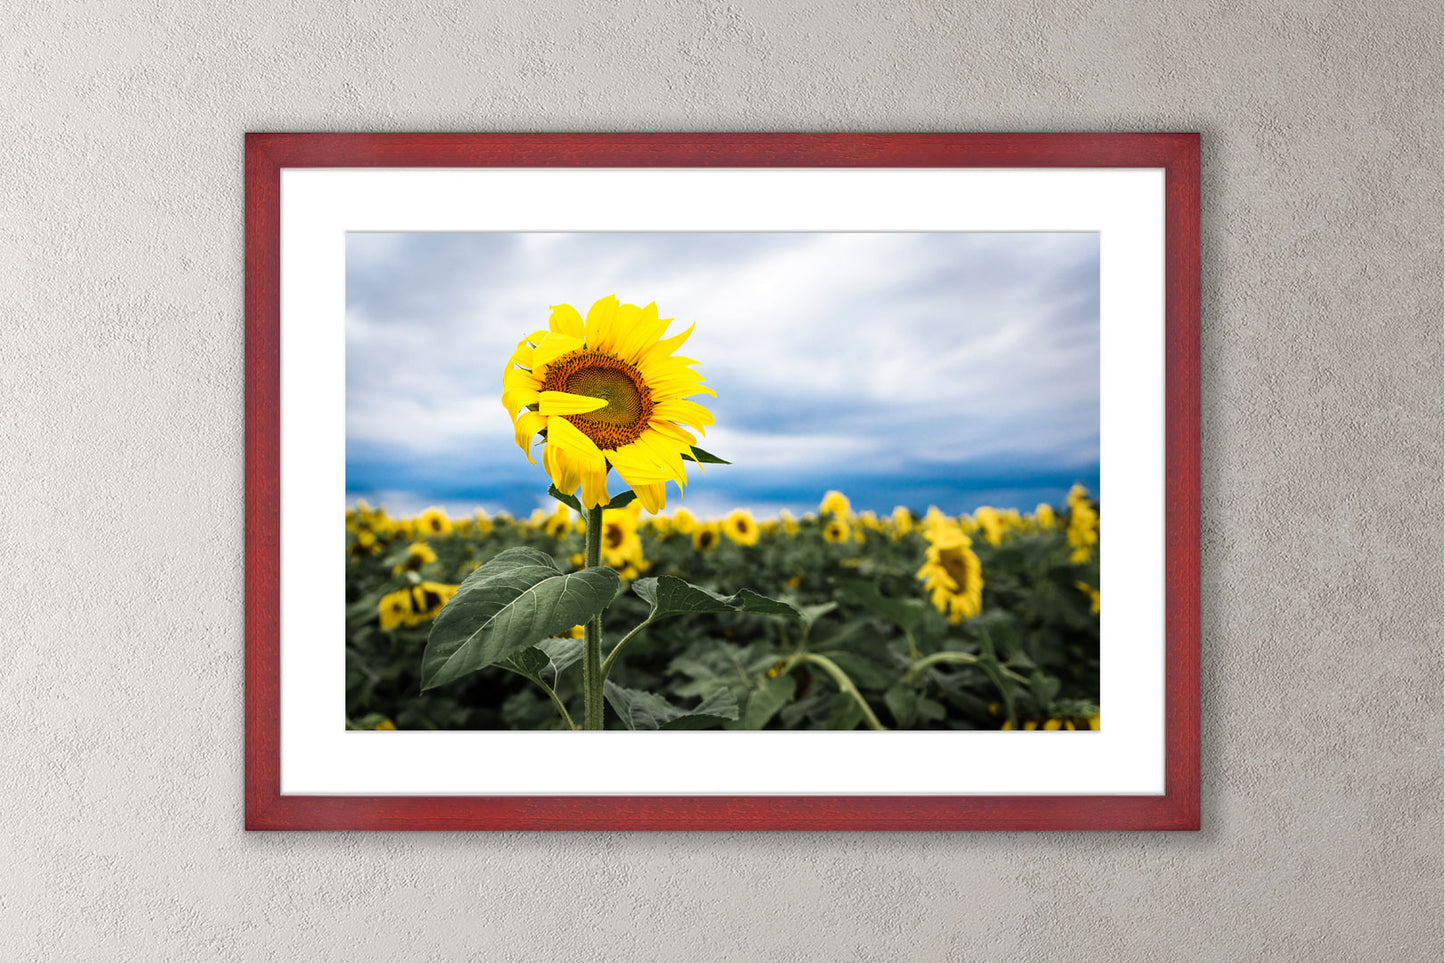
[518, 598]
[794, 632]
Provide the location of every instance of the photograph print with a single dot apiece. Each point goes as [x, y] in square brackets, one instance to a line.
[722, 481]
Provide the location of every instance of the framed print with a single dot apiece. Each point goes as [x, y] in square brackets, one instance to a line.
[722, 481]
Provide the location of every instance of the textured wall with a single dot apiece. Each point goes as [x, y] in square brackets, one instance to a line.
[121, 401]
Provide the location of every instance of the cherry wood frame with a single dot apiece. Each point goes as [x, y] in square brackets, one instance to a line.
[266, 808]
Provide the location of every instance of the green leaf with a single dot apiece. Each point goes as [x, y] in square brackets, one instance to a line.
[704, 457]
[903, 613]
[765, 701]
[553, 654]
[513, 601]
[902, 701]
[671, 596]
[622, 500]
[647, 710]
[569, 500]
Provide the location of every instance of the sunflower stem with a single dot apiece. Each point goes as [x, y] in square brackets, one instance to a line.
[592, 674]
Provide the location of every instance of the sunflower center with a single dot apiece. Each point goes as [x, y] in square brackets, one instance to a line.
[613, 535]
[953, 563]
[598, 375]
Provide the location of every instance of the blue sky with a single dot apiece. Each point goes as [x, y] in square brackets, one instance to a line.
[919, 369]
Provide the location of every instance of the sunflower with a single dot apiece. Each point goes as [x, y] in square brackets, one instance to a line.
[835, 503]
[433, 521]
[789, 523]
[427, 600]
[990, 522]
[609, 394]
[559, 523]
[740, 527]
[1093, 595]
[705, 537]
[1083, 532]
[902, 522]
[952, 573]
[621, 544]
[837, 531]
[683, 523]
[1044, 516]
[414, 604]
[395, 608]
[417, 555]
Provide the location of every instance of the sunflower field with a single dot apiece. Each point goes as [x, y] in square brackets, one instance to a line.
[833, 620]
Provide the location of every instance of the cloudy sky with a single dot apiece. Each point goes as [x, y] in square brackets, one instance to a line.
[917, 369]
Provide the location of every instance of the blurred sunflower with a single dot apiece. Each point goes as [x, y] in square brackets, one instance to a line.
[414, 604]
[1044, 516]
[559, 523]
[609, 393]
[621, 545]
[837, 531]
[434, 521]
[705, 537]
[683, 523]
[835, 503]
[483, 523]
[1093, 595]
[1083, 533]
[789, 523]
[902, 522]
[990, 522]
[417, 555]
[952, 573]
[740, 527]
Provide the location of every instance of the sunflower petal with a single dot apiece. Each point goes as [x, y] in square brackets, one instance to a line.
[518, 398]
[652, 497]
[528, 425]
[601, 318]
[566, 403]
[563, 432]
[686, 412]
[566, 320]
[552, 347]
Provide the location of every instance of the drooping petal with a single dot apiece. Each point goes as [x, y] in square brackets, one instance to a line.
[652, 497]
[528, 425]
[564, 433]
[594, 483]
[566, 403]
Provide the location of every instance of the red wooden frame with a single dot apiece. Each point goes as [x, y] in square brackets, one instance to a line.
[266, 808]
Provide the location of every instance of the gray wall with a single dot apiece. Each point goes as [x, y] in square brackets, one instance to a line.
[121, 401]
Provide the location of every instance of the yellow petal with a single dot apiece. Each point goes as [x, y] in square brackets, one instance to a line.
[521, 356]
[564, 468]
[594, 483]
[566, 320]
[652, 497]
[675, 432]
[667, 346]
[519, 398]
[687, 412]
[551, 348]
[601, 318]
[566, 403]
[563, 432]
[528, 425]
